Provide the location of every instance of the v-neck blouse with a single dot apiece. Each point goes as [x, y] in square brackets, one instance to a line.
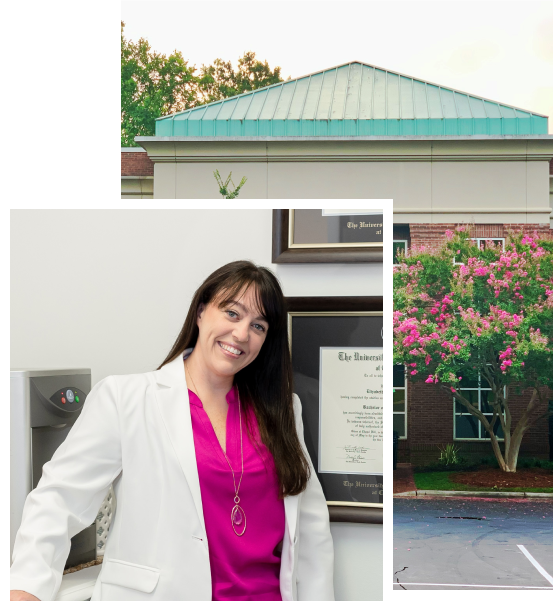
[246, 567]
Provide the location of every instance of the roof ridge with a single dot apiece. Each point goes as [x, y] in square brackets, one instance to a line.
[400, 74]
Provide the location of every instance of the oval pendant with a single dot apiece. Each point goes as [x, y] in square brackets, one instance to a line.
[238, 520]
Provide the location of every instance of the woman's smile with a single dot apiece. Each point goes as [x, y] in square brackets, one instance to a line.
[230, 350]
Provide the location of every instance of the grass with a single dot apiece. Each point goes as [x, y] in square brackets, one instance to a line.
[440, 481]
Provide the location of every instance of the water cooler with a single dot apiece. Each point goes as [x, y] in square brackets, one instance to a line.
[44, 405]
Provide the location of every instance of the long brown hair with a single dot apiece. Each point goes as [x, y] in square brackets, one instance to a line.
[266, 383]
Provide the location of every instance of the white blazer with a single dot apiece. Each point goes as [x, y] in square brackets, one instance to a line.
[136, 431]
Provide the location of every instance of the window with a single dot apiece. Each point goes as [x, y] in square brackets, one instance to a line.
[481, 242]
[399, 245]
[466, 426]
[400, 401]
[401, 237]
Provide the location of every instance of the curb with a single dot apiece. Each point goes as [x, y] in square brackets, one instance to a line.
[489, 494]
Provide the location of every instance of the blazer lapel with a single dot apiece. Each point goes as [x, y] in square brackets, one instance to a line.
[172, 398]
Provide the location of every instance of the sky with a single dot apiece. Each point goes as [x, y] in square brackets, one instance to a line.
[500, 50]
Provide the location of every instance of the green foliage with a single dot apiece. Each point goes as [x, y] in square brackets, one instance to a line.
[220, 80]
[439, 467]
[152, 85]
[224, 186]
[449, 454]
[489, 461]
[535, 463]
[523, 463]
[492, 314]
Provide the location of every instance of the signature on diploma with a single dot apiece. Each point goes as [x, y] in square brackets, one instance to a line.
[358, 449]
[355, 458]
[354, 454]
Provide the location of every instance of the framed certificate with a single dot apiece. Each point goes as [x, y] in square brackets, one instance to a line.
[327, 235]
[336, 347]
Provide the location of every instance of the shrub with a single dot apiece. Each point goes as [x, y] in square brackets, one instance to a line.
[449, 455]
[529, 463]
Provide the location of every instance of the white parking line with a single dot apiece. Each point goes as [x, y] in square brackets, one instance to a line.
[471, 585]
[536, 564]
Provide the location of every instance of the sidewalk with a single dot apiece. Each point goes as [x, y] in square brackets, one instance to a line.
[403, 478]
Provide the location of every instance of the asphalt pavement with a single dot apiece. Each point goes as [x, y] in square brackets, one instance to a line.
[472, 543]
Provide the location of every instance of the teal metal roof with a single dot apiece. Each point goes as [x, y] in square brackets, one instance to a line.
[354, 99]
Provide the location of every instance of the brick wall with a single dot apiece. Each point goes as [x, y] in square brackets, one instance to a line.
[432, 235]
[544, 231]
[430, 424]
[136, 164]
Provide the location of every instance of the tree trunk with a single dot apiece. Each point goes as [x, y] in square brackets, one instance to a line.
[512, 455]
[497, 452]
[507, 461]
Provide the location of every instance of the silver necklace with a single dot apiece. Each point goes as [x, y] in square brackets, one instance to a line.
[237, 515]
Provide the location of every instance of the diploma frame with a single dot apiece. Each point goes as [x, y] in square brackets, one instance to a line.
[284, 251]
[367, 513]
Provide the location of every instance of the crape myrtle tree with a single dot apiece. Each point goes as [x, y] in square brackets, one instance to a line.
[465, 312]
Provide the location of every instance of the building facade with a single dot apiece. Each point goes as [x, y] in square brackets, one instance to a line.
[425, 417]
[357, 131]
[137, 174]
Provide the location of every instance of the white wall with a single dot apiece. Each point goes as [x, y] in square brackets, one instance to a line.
[431, 179]
[358, 561]
[109, 290]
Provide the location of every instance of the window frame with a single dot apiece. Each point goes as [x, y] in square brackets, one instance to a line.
[404, 412]
[405, 243]
[480, 388]
[502, 240]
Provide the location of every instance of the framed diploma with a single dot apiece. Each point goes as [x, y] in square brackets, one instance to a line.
[329, 235]
[336, 347]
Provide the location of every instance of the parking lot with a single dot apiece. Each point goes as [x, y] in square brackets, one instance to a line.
[472, 543]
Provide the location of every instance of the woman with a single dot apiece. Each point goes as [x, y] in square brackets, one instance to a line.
[216, 495]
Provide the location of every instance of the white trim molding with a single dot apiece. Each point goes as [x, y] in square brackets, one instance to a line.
[137, 187]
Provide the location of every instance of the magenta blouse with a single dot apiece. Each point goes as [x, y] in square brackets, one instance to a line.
[246, 567]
